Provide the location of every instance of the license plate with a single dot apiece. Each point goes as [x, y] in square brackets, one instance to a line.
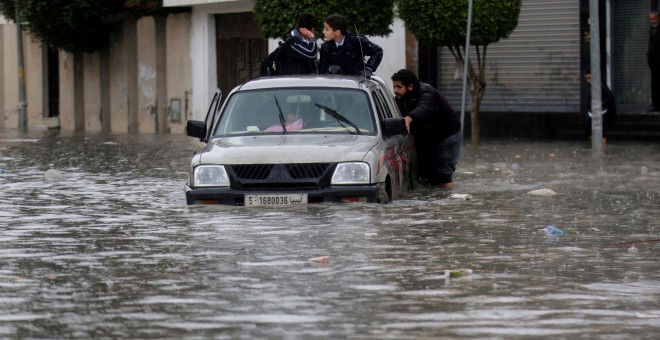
[275, 199]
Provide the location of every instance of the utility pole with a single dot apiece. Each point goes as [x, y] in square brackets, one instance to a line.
[465, 65]
[596, 94]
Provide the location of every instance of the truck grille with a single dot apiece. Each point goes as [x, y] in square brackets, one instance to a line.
[255, 176]
[252, 172]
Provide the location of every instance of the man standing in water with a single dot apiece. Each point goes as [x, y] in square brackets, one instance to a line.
[653, 59]
[435, 126]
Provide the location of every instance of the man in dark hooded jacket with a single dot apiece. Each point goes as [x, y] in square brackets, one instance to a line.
[435, 126]
[301, 51]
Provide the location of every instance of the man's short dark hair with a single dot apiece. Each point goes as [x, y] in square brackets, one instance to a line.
[337, 23]
[308, 21]
[406, 77]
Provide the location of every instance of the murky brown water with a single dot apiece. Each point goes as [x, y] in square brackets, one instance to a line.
[96, 241]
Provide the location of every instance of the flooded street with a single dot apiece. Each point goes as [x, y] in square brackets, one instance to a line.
[96, 240]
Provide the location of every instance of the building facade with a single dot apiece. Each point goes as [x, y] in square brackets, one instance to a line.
[160, 72]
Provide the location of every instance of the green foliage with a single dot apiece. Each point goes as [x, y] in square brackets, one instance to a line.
[444, 22]
[78, 25]
[277, 17]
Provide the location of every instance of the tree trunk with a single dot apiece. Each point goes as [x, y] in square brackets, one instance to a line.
[477, 91]
[474, 118]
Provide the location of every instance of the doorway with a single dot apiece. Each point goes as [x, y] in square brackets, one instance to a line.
[239, 49]
[53, 67]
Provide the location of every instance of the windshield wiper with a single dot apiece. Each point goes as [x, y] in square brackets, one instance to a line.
[279, 109]
[338, 116]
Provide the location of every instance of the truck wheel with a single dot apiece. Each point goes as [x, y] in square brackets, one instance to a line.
[383, 194]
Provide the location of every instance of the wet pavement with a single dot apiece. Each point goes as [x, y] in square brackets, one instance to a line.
[96, 241]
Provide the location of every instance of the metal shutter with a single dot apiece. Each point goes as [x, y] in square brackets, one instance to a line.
[536, 69]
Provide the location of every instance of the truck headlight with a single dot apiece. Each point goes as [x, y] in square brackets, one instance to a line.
[210, 176]
[351, 173]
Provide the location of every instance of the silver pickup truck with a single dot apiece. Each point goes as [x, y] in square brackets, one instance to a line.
[293, 140]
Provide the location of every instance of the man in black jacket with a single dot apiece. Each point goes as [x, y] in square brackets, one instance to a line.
[343, 52]
[653, 59]
[301, 51]
[435, 126]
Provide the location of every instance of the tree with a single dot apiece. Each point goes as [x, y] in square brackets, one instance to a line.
[277, 17]
[444, 23]
[78, 25]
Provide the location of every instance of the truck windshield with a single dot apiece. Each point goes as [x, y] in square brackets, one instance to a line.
[297, 110]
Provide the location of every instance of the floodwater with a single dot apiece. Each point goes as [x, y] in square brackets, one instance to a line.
[96, 240]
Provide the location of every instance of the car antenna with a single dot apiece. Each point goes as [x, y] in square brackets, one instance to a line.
[364, 65]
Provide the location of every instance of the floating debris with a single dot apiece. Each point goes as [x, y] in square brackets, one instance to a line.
[456, 273]
[461, 197]
[542, 192]
[53, 174]
[552, 230]
[320, 259]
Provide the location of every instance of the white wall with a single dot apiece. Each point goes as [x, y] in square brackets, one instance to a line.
[394, 51]
[202, 54]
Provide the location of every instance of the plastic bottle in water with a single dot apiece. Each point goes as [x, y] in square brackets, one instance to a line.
[552, 230]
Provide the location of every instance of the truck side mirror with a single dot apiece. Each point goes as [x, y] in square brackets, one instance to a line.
[196, 128]
[394, 126]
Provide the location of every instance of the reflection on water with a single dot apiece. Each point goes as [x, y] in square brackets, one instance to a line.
[97, 242]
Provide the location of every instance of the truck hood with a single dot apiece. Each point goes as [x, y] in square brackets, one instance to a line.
[291, 148]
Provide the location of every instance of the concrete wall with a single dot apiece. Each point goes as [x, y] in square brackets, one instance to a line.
[34, 80]
[127, 88]
[67, 99]
[123, 81]
[146, 78]
[92, 92]
[72, 92]
[10, 76]
[179, 65]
